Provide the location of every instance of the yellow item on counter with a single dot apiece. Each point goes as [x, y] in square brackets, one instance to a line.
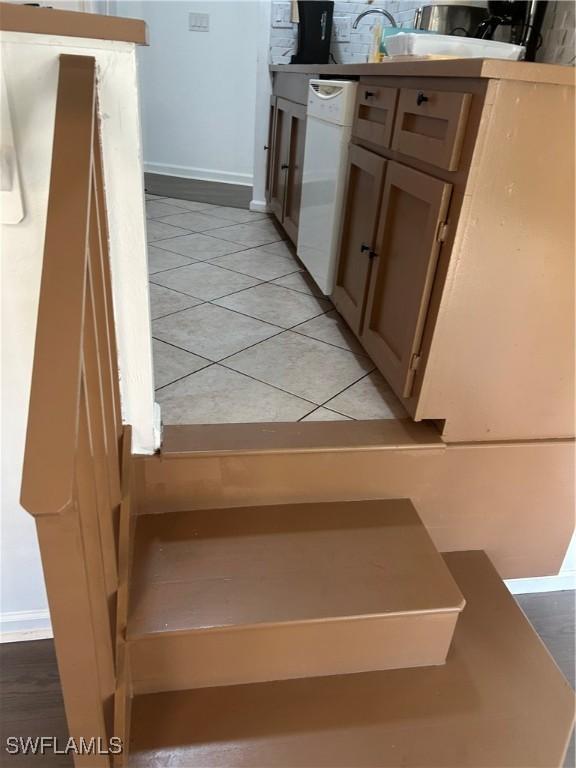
[374, 57]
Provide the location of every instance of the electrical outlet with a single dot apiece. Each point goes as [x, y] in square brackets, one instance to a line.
[342, 28]
[198, 22]
[282, 15]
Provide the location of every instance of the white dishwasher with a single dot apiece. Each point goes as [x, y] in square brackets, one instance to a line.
[328, 129]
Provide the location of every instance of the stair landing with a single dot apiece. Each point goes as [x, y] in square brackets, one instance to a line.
[498, 701]
[254, 594]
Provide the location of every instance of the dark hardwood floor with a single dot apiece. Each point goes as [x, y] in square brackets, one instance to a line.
[215, 193]
[31, 701]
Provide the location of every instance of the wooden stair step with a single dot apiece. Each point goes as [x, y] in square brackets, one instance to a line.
[252, 594]
[498, 701]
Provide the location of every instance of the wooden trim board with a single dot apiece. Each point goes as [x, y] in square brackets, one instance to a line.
[208, 439]
[48, 21]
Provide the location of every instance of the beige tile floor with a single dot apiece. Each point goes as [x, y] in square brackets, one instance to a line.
[240, 331]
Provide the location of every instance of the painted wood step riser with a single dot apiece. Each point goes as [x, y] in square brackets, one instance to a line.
[469, 496]
[236, 656]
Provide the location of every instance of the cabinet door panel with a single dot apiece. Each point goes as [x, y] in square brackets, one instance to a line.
[414, 205]
[280, 152]
[270, 148]
[358, 233]
[297, 136]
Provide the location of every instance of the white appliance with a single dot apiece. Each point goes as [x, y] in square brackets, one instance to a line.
[328, 128]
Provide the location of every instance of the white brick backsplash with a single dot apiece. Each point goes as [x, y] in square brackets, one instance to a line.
[353, 52]
[558, 32]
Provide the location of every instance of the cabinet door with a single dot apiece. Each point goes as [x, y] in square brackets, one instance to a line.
[293, 190]
[270, 148]
[414, 208]
[279, 157]
[357, 239]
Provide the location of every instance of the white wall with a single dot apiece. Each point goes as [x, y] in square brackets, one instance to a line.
[30, 64]
[198, 89]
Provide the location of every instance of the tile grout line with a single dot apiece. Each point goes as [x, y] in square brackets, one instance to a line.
[186, 375]
[325, 404]
[250, 346]
[260, 381]
[242, 249]
[176, 311]
[204, 212]
[169, 269]
[217, 306]
[234, 272]
[240, 290]
[228, 225]
[266, 383]
[346, 418]
[261, 282]
[241, 373]
[207, 232]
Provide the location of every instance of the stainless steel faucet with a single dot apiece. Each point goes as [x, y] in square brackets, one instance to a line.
[389, 16]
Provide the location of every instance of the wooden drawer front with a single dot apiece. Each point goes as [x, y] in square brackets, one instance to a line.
[374, 116]
[430, 125]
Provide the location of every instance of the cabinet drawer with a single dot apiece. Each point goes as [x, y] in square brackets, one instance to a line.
[374, 114]
[430, 125]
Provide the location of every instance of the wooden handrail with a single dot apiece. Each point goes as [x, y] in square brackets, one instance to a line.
[72, 481]
[51, 441]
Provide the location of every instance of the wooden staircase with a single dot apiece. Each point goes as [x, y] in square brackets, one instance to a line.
[307, 632]
[498, 701]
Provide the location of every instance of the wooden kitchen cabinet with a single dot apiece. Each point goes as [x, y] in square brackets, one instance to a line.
[468, 297]
[360, 219]
[286, 161]
[456, 259]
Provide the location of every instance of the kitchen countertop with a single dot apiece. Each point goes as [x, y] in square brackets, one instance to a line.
[437, 66]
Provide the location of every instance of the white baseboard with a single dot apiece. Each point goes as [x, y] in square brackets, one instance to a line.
[16, 626]
[558, 583]
[200, 174]
[157, 426]
[260, 206]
